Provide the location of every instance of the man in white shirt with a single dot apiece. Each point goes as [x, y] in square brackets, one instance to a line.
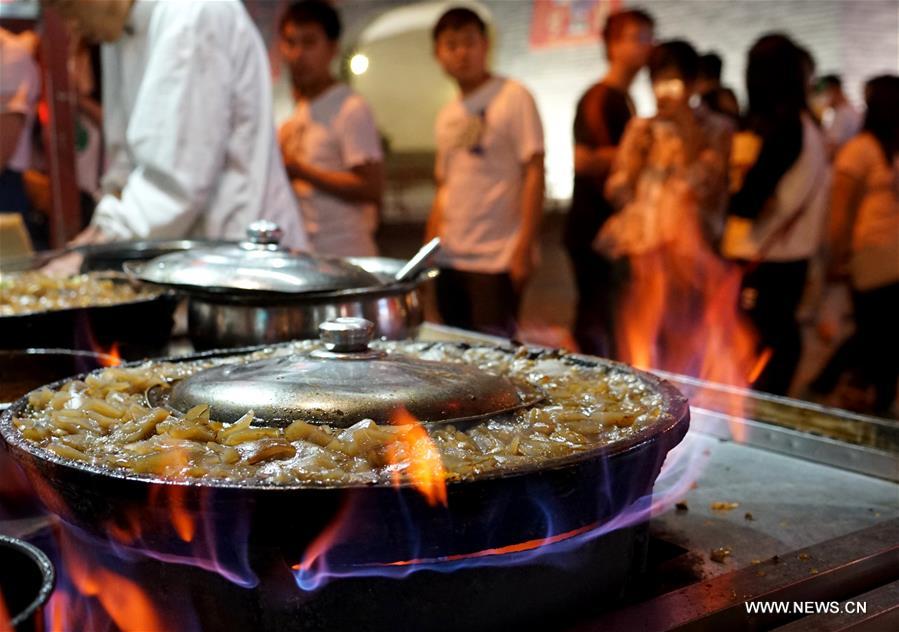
[20, 87]
[489, 173]
[840, 119]
[330, 144]
[190, 143]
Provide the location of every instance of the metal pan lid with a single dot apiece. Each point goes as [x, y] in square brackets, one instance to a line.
[347, 382]
[256, 266]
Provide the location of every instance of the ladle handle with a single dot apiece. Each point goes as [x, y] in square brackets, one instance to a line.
[419, 262]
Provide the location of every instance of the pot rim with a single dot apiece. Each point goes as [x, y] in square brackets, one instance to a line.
[46, 569]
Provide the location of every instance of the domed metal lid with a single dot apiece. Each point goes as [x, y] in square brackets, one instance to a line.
[256, 266]
[348, 382]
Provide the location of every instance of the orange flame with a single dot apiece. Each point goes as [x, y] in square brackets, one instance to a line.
[521, 547]
[170, 497]
[110, 357]
[414, 449]
[5, 617]
[127, 605]
[325, 540]
[680, 313]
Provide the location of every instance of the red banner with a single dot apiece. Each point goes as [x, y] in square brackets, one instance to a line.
[568, 22]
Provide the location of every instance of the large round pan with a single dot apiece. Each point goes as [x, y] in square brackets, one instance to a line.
[389, 524]
[137, 327]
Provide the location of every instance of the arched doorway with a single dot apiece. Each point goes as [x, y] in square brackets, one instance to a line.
[391, 63]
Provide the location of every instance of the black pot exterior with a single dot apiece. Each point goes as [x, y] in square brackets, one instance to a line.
[26, 581]
[138, 327]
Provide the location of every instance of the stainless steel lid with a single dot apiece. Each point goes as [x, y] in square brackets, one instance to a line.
[256, 266]
[347, 382]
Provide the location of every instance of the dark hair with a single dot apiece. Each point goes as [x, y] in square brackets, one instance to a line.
[678, 55]
[320, 12]
[776, 78]
[616, 22]
[881, 120]
[710, 66]
[458, 18]
[829, 81]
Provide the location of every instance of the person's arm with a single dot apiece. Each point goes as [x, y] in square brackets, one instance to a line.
[845, 195]
[527, 130]
[360, 148]
[364, 183]
[435, 217]
[176, 135]
[11, 126]
[593, 162]
[532, 196]
[629, 162]
[91, 109]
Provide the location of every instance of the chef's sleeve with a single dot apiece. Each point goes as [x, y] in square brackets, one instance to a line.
[176, 137]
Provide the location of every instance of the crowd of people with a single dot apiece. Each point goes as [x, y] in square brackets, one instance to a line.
[796, 186]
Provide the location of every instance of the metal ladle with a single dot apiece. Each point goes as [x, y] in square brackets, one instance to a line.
[420, 262]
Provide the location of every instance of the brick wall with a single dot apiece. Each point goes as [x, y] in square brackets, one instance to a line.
[856, 38]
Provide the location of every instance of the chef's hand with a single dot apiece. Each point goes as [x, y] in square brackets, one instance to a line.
[64, 266]
[70, 264]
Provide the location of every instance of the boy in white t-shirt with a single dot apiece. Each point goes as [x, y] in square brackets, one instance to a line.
[489, 172]
[330, 144]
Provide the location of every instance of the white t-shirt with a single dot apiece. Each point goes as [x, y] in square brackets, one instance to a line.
[841, 123]
[19, 90]
[805, 184]
[483, 141]
[336, 132]
[187, 119]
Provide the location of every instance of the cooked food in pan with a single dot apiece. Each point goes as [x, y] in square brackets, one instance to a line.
[30, 292]
[108, 421]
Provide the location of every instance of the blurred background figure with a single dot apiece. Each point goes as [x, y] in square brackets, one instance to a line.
[600, 119]
[864, 250]
[85, 72]
[330, 144]
[20, 89]
[489, 172]
[715, 96]
[777, 216]
[669, 180]
[840, 119]
[190, 144]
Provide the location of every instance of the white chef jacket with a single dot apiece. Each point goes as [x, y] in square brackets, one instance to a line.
[188, 127]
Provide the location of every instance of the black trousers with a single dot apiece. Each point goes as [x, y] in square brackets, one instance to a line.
[872, 352]
[599, 283]
[478, 301]
[770, 296]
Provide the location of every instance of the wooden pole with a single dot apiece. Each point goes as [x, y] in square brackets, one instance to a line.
[65, 212]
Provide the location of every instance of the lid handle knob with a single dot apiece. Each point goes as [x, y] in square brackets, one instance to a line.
[346, 335]
[264, 233]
